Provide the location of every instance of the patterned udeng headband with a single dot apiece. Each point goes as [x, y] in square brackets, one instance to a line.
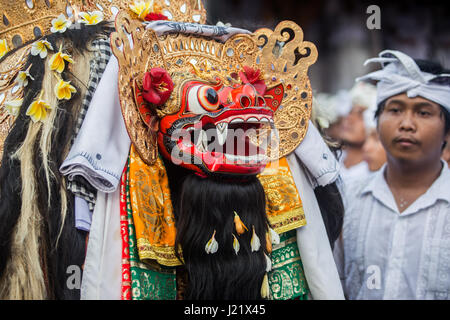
[402, 75]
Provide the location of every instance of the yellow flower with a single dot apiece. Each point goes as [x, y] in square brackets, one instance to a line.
[57, 62]
[22, 78]
[64, 90]
[91, 18]
[38, 110]
[60, 24]
[3, 47]
[13, 107]
[142, 8]
[40, 48]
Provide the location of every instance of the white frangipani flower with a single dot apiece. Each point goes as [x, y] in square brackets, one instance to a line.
[13, 107]
[41, 48]
[60, 24]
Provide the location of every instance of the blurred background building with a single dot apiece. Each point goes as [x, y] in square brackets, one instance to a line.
[338, 28]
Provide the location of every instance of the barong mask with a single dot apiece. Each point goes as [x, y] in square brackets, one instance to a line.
[213, 107]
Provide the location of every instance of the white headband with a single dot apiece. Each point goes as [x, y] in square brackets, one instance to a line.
[402, 75]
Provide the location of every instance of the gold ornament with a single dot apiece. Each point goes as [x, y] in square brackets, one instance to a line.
[285, 58]
[24, 20]
[281, 55]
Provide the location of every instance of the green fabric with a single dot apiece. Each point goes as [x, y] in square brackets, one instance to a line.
[147, 282]
[287, 278]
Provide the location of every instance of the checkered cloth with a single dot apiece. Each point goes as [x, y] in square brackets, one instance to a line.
[80, 186]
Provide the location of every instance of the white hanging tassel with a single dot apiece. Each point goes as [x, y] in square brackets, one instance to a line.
[236, 245]
[265, 291]
[268, 263]
[212, 246]
[255, 243]
[274, 236]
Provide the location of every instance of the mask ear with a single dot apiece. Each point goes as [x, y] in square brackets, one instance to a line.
[274, 96]
[142, 105]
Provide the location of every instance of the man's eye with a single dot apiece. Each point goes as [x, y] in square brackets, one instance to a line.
[394, 110]
[424, 113]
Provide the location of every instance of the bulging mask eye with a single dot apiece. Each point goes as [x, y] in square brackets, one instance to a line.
[202, 99]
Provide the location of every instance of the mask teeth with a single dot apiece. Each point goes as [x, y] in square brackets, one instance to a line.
[222, 132]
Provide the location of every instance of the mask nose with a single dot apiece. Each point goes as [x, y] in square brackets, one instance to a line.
[241, 97]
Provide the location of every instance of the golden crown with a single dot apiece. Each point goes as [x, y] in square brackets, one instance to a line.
[281, 55]
[24, 20]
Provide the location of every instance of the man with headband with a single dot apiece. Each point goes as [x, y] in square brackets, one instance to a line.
[395, 242]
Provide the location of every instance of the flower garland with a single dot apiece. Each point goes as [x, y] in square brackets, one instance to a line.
[63, 90]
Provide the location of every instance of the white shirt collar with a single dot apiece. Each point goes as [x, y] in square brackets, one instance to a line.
[439, 190]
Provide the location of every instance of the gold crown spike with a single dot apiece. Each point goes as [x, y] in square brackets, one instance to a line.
[281, 55]
[285, 58]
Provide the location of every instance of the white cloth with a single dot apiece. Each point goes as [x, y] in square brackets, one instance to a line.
[402, 75]
[102, 273]
[383, 254]
[351, 175]
[83, 216]
[221, 33]
[314, 153]
[101, 148]
[312, 240]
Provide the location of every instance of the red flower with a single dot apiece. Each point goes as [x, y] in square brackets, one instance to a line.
[157, 86]
[152, 16]
[253, 77]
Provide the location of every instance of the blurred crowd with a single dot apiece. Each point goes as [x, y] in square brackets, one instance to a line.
[347, 121]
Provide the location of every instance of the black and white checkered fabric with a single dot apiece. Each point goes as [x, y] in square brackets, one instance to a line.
[79, 186]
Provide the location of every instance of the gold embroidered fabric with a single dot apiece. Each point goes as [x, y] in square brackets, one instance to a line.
[152, 211]
[283, 204]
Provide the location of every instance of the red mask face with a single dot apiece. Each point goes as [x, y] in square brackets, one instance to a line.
[211, 132]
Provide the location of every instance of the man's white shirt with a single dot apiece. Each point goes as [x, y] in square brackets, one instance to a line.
[385, 254]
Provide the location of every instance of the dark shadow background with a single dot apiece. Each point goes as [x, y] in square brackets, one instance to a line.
[338, 28]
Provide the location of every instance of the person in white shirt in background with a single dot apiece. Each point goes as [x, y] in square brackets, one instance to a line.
[373, 151]
[348, 128]
[395, 242]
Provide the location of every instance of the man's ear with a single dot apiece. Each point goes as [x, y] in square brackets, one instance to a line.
[446, 140]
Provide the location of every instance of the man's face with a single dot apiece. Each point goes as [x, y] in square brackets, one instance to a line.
[412, 129]
[352, 129]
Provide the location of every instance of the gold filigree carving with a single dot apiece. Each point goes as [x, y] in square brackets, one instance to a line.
[26, 20]
[285, 58]
[281, 55]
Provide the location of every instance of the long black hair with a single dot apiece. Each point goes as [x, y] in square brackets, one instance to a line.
[203, 206]
[61, 244]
